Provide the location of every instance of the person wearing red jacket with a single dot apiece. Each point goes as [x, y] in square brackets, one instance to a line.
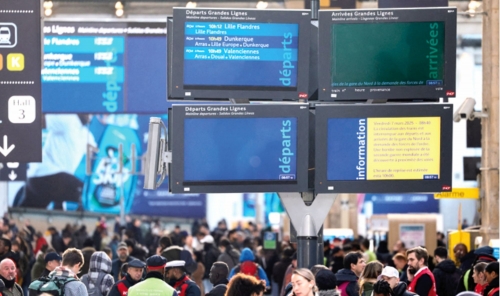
[421, 278]
[175, 274]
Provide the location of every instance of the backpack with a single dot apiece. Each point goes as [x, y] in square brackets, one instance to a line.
[250, 268]
[50, 285]
[96, 290]
[343, 288]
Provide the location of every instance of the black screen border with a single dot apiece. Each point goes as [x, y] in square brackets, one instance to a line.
[297, 16]
[299, 111]
[325, 112]
[448, 15]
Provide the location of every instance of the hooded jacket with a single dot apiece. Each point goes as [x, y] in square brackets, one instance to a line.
[400, 290]
[247, 255]
[347, 275]
[446, 275]
[230, 257]
[100, 265]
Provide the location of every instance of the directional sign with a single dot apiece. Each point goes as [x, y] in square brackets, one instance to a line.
[20, 83]
[13, 171]
[459, 193]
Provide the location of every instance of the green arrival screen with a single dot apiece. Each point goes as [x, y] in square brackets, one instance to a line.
[387, 54]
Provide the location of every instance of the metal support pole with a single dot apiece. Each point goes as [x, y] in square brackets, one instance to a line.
[307, 220]
[120, 175]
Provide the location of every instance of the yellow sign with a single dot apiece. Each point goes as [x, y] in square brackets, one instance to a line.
[403, 148]
[459, 193]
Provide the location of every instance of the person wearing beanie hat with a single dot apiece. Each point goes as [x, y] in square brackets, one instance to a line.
[175, 274]
[123, 257]
[154, 283]
[326, 283]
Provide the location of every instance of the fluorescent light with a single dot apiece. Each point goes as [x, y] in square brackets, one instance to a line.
[262, 5]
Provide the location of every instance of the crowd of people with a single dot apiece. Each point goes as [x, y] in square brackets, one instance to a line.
[143, 259]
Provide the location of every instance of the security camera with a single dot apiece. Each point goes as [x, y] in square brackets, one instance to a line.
[465, 110]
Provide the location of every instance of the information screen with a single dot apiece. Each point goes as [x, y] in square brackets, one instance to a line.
[250, 53]
[104, 67]
[383, 149]
[251, 149]
[239, 148]
[393, 148]
[240, 54]
[400, 54]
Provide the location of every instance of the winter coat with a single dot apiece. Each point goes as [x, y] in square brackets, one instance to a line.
[74, 288]
[38, 267]
[247, 255]
[100, 265]
[219, 289]
[87, 253]
[347, 275]
[127, 281]
[447, 276]
[117, 265]
[230, 257]
[279, 270]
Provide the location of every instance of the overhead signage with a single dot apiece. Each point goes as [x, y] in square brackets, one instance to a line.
[472, 193]
[20, 95]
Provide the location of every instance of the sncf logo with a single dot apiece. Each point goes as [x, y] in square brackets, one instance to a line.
[450, 93]
[302, 95]
[446, 188]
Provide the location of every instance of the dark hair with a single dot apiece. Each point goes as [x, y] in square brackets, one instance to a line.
[352, 258]
[130, 242]
[89, 242]
[492, 267]
[420, 253]
[72, 257]
[441, 252]
[7, 243]
[221, 268]
[366, 243]
[224, 242]
[382, 287]
[479, 267]
[165, 242]
[244, 285]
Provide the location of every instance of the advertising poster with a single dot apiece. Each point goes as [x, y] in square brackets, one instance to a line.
[63, 181]
[413, 235]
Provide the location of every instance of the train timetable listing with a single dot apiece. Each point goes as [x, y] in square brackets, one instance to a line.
[264, 50]
[241, 41]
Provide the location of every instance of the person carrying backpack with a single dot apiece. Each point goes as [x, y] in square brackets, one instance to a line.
[63, 280]
[99, 280]
[249, 267]
[446, 274]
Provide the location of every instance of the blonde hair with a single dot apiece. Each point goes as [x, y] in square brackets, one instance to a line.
[308, 275]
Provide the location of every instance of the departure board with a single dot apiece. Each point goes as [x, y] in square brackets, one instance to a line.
[239, 53]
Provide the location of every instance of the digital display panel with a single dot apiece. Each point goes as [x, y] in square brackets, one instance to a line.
[402, 147]
[387, 54]
[252, 54]
[252, 149]
[240, 54]
[104, 67]
[239, 148]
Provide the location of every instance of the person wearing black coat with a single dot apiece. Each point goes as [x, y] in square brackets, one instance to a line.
[491, 273]
[279, 268]
[135, 270]
[445, 273]
[218, 277]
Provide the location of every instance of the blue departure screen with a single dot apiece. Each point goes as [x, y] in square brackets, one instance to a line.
[240, 149]
[240, 54]
[94, 69]
[90, 65]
